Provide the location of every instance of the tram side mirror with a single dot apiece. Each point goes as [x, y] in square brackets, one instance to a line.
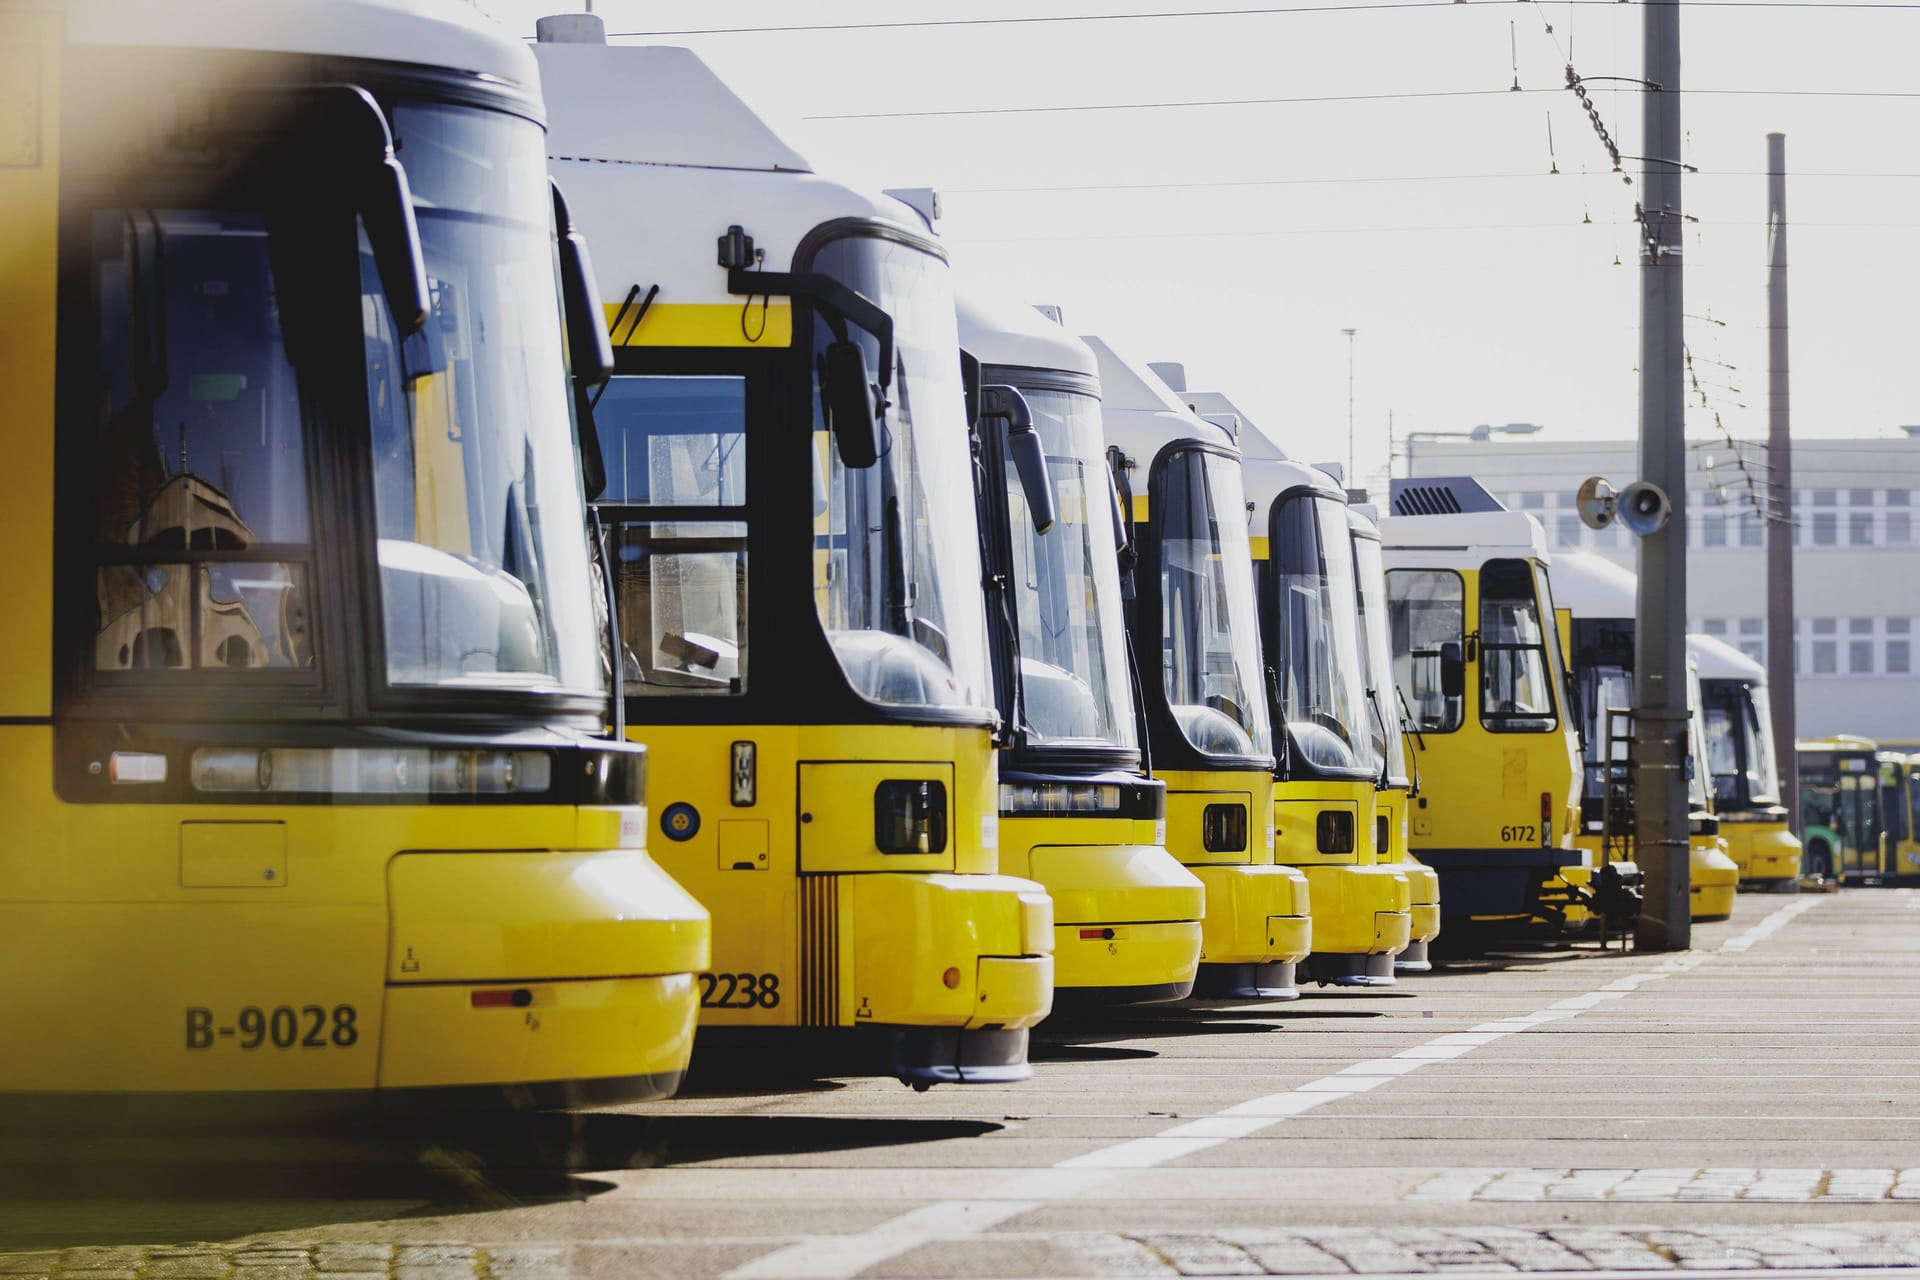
[846, 393]
[1008, 406]
[1453, 670]
[589, 350]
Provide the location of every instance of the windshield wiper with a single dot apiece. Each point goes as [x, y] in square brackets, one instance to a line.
[1373, 703]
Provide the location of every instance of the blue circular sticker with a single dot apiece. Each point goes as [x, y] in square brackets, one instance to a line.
[680, 821]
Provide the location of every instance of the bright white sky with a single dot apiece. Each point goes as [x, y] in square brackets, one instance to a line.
[1241, 239]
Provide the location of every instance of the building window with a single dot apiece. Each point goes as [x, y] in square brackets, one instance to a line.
[1753, 626]
[1715, 529]
[1860, 497]
[1899, 626]
[1899, 528]
[1826, 626]
[1754, 649]
[1860, 657]
[1533, 501]
[1714, 626]
[1826, 529]
[1751, 530]
[1860, 529]
[1825, 657]
[1899, 497]
[1899, 657]
[1825, 498]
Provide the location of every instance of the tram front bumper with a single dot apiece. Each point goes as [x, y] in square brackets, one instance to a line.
[1764, 852]
[1364, 911]
[1715, 880]
[1127, 925]
[1255, 915]
[946, 950]
[560, 977]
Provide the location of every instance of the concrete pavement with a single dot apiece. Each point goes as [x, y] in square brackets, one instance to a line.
[1752, 1104]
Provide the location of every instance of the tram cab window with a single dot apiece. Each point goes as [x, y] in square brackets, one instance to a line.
[678, 446]
[1516, 691]
[483, 572]
[1210, 660]
[202, 539]
[1426, 609]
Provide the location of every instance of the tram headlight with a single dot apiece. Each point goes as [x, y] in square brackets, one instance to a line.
[393, 771]
[1223, 828]
[1333, 831]
[910, 816]
[1021, 799]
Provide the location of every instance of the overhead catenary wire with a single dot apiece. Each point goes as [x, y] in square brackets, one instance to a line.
[1261, 11]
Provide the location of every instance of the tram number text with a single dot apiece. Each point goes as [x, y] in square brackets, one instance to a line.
[1519, 833]
[740, 991]
[310, 1026]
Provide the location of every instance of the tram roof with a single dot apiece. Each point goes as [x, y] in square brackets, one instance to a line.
[1142, 414]
[1465, 540]
[439, 33]
[1593, 586]
[1007, 334]
[1721, 661]
[1267, 478]
[659, 157]
[1362, 519]
[1213, 405]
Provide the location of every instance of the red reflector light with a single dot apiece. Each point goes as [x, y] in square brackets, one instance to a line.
[510, 998]
[1096, 934]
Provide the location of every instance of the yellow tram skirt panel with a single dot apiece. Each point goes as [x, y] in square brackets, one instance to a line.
[1255, 915]
[1126, 916]
[917, 949]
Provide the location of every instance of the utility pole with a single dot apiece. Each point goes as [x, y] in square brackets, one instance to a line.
[1660, 641]
[1350, 333]
[1779, 513]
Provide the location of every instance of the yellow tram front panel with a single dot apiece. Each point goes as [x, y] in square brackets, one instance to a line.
[1361, 908]
[1715, 877]
[812, 924]
[1258, 912]
[1423, 886]
[284, 948]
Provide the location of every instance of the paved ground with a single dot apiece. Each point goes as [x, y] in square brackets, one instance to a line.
[1753, 1104]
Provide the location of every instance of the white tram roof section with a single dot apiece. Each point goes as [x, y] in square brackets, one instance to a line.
[1719, 660]
[658, 157]
[1360, 519]
[1254, 443]
[437, 33]
[1591, 586]
[1011, 335]
[1266, 479]
[1464, 541]
[1140, 413]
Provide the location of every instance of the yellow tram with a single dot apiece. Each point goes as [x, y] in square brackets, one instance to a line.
[1325, 790]
[796, 560]
[1599, 598]
[1743, 766]
[1471, 617]
[1397, 783]
[309, 804]
[1194, 626]
[1077, 813]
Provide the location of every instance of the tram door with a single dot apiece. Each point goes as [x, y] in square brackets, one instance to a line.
[1856, 818]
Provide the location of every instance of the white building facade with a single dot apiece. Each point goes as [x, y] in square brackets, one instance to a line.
[1856, 561]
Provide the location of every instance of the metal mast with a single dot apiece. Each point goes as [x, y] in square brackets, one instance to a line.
[1779, 512]
[1660, 648]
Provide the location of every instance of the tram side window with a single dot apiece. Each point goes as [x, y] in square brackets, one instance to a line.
[1516, 692]
[676, 458]
[1426, 610]
[202, 543]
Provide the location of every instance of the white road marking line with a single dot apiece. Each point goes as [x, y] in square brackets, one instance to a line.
[842, 1257]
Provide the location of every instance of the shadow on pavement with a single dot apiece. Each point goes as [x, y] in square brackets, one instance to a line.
[178, 1189]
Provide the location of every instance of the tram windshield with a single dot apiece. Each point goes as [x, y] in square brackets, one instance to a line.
[483, 570]
[1210, 654]
[220, 395]
[1697, 767]
[1740, 745]
[1602, 680]
[1066, 585]
[1377, 646]
[897, 557]
[1516, 689]
[1323, 700]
